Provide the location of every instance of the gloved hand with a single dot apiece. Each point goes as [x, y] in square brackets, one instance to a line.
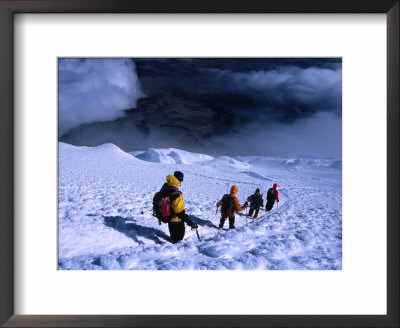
[277, 200]
[246, 204]
[193, 225]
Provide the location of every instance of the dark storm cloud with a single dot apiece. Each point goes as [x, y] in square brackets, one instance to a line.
[284, 94]
[270, 106]
[277, 89]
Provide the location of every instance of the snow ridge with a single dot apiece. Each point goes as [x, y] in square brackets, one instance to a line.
[171, 156]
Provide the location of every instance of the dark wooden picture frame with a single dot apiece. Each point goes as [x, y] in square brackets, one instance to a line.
[10, 7]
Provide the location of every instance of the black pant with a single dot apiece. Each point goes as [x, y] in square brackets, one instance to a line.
[231, 222]
[269, 205]
[252, 210]
[176, 231]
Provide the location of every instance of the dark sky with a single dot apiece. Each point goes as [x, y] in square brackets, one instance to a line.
[229, 106]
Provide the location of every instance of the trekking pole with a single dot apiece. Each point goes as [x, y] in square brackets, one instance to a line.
[277, 208]
[142, 212]
[216, 211]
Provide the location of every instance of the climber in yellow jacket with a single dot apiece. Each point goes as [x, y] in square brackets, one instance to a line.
[178, 214]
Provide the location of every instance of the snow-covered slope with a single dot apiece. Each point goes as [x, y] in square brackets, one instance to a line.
[103, 190]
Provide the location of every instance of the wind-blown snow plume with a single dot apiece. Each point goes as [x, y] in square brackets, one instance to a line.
[95, 89]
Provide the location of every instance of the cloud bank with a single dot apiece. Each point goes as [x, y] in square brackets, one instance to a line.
[218, 106]
[291, 92]
[95, 89]
[284, 94]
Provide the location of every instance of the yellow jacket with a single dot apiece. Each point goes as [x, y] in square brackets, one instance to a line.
[176, 202]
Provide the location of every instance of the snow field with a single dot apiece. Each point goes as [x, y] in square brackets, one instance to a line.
[103, 190]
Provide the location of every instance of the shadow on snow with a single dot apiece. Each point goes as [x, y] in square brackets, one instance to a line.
[202, 222]
[133, 230]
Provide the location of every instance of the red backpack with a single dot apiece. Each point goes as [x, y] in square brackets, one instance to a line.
[162, 207]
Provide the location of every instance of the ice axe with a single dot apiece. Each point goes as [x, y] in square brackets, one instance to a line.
[197, 233]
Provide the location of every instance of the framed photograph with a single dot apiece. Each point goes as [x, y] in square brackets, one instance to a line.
[254, 126]
[199, 164]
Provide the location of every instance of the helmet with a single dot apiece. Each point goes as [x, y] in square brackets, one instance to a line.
[178, 175]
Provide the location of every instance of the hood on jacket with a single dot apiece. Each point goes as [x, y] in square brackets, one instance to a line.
[173, 181]
[234, 190]
[275, 185]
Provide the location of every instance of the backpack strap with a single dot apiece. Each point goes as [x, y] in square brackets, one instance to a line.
[174, 195]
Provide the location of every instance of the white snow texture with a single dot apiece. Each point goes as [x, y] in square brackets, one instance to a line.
[103, 190]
